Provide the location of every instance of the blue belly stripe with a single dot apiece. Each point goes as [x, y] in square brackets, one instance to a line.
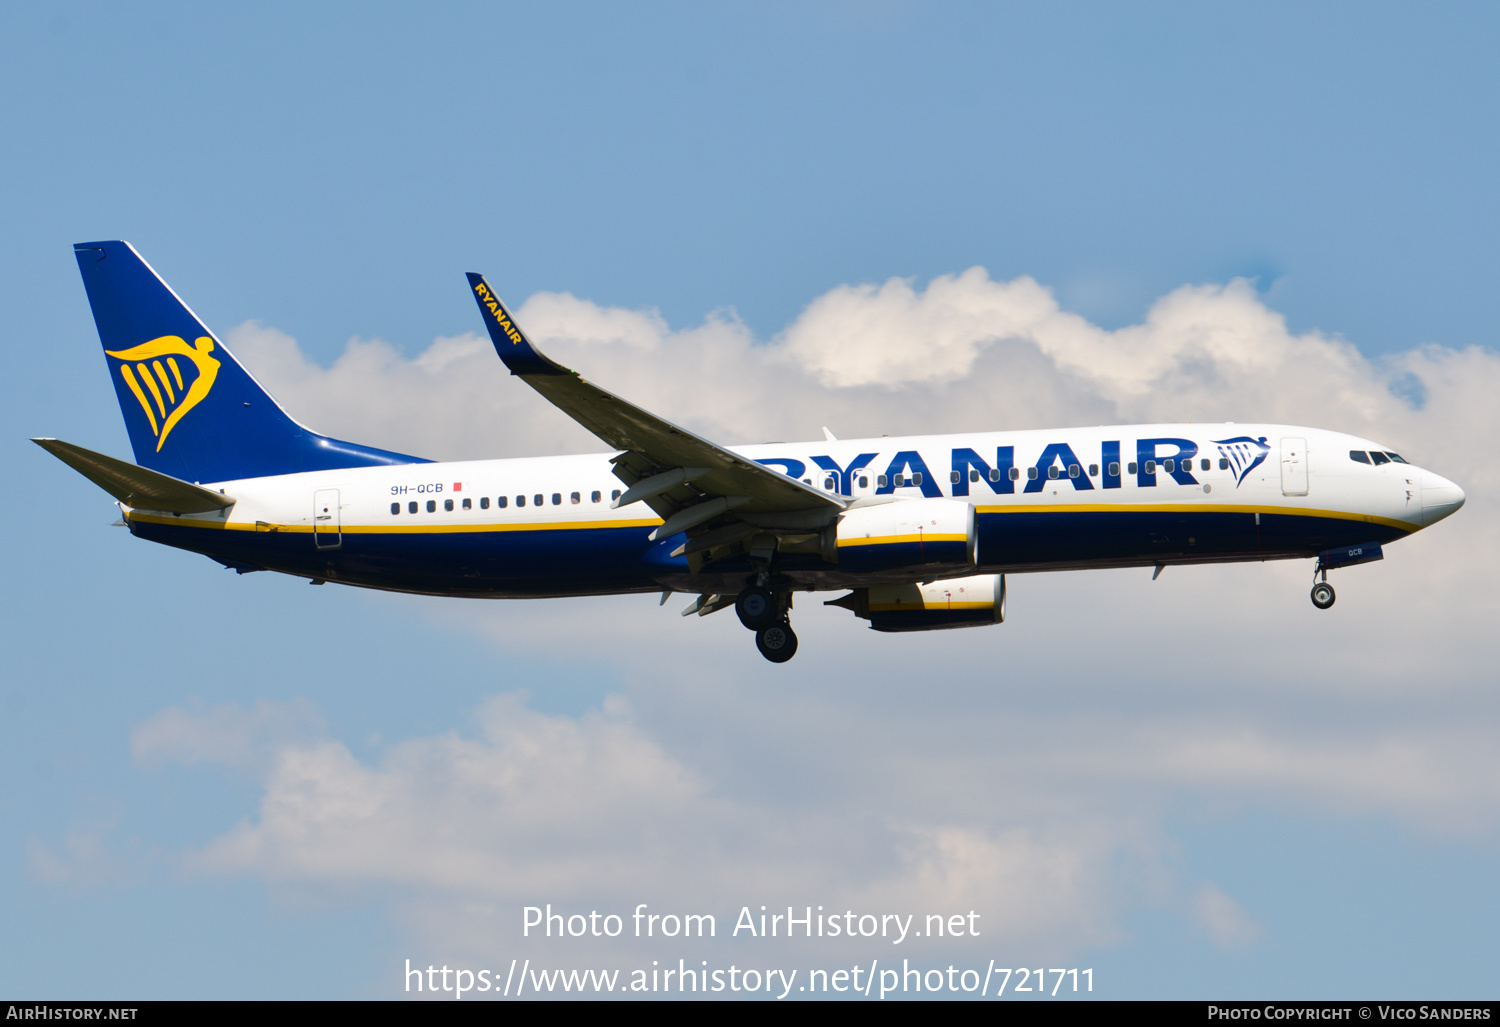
[594, 561]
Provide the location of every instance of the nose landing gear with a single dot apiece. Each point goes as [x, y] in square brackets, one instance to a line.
[1322, 592]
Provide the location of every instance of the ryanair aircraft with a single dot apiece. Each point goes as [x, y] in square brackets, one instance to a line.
[918, 533]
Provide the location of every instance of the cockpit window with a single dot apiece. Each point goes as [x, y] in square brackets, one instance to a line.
[1359, 456]
[1378, 458]
[1395, 456]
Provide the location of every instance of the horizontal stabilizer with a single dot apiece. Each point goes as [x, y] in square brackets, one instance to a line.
[136, 486]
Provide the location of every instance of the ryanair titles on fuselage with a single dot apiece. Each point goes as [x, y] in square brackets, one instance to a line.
[1172, 456]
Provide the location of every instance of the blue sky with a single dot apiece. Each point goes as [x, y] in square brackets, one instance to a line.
[327, 175]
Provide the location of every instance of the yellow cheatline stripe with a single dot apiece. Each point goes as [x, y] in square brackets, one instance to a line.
[1208, 507]
[172, 363]
[883, 540]
[370, 529]
[145, 373]
[888, 607]
[135, 387]
[161, 372]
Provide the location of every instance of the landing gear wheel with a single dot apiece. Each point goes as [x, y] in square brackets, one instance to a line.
[1322, 595]
[777, 643]
[756, 607]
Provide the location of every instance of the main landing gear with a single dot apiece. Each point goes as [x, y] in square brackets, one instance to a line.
[767, 614]
[1322, 592]
[777, 643]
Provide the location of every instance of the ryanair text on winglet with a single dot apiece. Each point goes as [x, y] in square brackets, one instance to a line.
[502, 316]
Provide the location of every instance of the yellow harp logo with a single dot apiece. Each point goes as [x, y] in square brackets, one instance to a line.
[157, 382]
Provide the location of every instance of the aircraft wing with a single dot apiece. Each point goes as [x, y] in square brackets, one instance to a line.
[686, 479]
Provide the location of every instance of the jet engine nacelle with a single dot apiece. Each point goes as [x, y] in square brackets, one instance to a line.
[929, 534]
[955, 603]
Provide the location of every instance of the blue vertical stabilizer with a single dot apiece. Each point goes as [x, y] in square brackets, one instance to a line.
[191, 410]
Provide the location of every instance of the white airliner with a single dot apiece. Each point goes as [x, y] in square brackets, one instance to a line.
[918, 532]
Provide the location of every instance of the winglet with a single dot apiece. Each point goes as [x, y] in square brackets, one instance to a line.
[514, 348]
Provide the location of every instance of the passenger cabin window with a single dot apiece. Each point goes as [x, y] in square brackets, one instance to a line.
[973, 474]
[1052, 471]
[1378, 458]
[557, 499]
[1223, 463]
[1015, 474]
[995, 473]
[594, 496]
[1093, 470]
[432, 505]
[916, 479]
[1031, 474]
[1169, 465]
[1204, 464]
[468, 504]
[880, 480]
[1150, 466]
[1074, 470]
[954, 477]
[864, 482]
[484, 502]
[1130, 468]
[520, 500]
[807, 481]
[1114, 469]
[575, 498]
[827, 484]
[614, 494]
[1359, 456]
[448, 505]
[538, 499]
[395, 509]
[411, 507]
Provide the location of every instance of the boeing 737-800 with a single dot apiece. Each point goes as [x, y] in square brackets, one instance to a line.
[917, 532]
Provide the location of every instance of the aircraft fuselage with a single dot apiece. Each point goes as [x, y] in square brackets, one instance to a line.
[1043, 500]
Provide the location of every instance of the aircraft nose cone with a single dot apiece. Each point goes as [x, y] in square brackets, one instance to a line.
[1440, 498]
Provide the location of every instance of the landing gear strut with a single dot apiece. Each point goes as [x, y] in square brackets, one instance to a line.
[1322, 592]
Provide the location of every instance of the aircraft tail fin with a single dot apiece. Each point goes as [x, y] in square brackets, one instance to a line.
[192, 411]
